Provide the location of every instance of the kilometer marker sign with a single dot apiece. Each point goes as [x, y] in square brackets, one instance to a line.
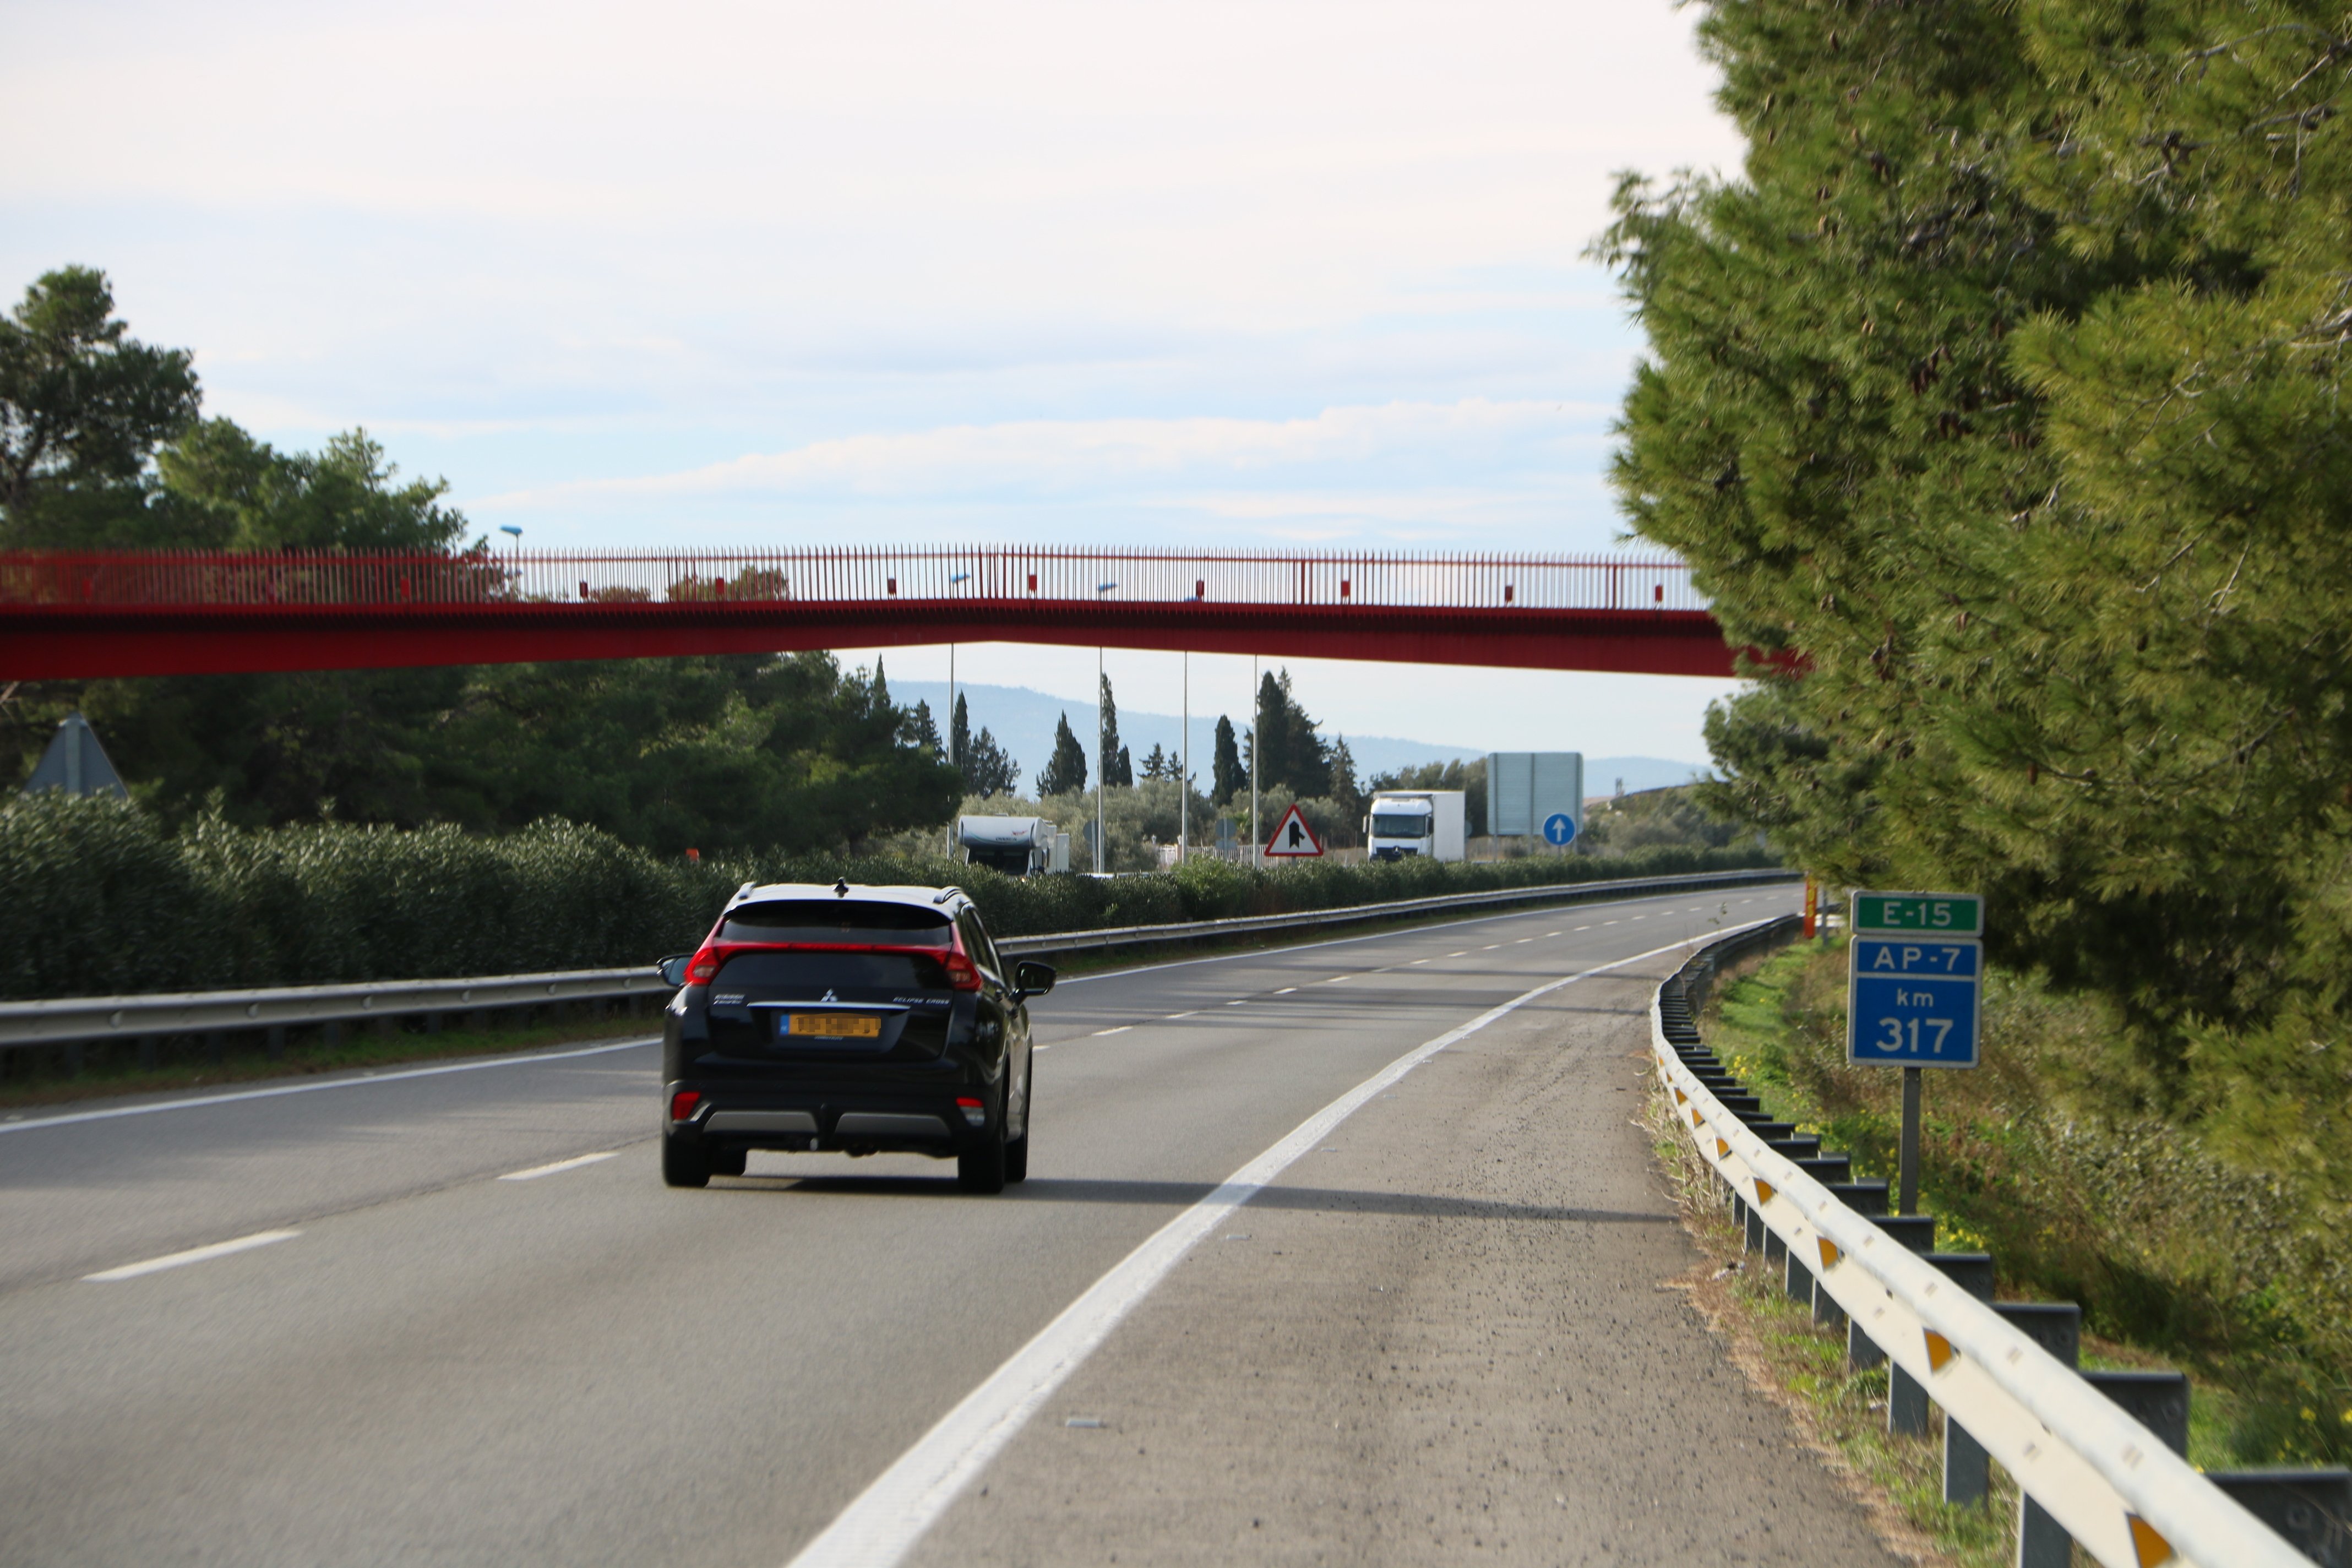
[1912, 989]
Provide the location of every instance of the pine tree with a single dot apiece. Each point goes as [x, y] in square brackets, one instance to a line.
[1065, 773]
[2005, 390]
[922, 733]
[990, 769]
[1157, 764]
[959, 734]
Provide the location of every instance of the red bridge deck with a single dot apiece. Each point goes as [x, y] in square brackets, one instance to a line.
[83, 615]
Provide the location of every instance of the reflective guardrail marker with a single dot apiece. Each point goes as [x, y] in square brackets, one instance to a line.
[1913, 969]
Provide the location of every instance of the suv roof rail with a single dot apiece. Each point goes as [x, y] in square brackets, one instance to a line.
[944, 894]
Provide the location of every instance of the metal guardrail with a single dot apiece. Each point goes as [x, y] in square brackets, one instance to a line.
[1357, 914]
[80, 1020]
[2108, 1481]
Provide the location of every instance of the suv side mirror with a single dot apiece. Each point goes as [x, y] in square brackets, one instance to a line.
[673, 969]
[1032, 978]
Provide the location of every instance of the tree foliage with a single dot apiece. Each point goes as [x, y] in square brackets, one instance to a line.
[988, 769]
[1288, 749]
[2004, 390]
[82, 408]
[1227, 777]
[101, 446]
[1066, 772]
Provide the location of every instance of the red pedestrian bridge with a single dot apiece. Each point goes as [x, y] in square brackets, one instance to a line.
[66, 614]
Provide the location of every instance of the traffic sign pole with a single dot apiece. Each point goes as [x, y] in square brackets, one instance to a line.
[1907, 1194]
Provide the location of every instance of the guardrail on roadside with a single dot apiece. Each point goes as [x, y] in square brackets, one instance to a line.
[72, 1022]
[2002, 1372]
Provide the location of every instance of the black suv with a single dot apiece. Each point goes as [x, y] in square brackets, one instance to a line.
[856, 1019]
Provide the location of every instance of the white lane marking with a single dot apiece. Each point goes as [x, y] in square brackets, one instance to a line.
[1523, 941]
[1551, 933]
[1490, 947]
[1613, 922]
[315, 1086]
[1041, 1048]
[1194, 1013]
[571, 1164]
[195, 1255]
[1584, 927]
[1464, 954]
[1335, 979]
[1641, 917]
[884, 1522]
[1417, 961]
[1123, 1029]
[1238, 1001]
[1285, 991]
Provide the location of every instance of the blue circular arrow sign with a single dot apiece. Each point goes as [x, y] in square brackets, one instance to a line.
[1559, 828]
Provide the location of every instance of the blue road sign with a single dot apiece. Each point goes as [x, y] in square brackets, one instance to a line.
[1559, 828]
[1913, 1004]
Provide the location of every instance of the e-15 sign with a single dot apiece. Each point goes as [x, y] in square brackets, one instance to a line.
[1922, 914]
[1912, 1003]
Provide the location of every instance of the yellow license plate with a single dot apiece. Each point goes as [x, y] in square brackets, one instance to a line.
[835, 1026]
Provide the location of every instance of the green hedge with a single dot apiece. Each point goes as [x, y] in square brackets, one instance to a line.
[97, 898]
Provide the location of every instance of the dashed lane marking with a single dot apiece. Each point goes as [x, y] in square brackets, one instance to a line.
[1285, 991]
[561, 1166]
[1194, 1013]
[194, 1255]
[1123, 1029]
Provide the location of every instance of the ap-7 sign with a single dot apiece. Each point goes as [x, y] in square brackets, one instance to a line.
[1912, 1001]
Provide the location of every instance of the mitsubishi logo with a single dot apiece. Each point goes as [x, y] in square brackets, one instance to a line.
[828, 995]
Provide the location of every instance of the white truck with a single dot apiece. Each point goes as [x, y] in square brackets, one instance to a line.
[1431, 822]
[1016, 846]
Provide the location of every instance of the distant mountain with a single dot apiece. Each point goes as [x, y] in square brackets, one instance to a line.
[1022, 721]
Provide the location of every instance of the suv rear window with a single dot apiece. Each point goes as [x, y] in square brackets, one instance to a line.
[835, 921]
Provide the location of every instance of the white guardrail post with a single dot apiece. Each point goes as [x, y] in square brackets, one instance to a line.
[2087, 1467]
[74, 1021]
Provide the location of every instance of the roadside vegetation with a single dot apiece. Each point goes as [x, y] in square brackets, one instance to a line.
[1999, 400]
[2172, 1252]
[99, 896]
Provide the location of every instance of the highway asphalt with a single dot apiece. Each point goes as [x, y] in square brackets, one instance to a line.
[418, 1358]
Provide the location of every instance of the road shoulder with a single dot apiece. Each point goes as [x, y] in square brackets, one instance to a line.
[1453, 1332]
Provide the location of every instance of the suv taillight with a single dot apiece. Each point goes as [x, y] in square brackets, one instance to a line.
[962, 975]
[703, 967]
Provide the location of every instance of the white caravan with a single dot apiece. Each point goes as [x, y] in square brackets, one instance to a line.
[1016, 846]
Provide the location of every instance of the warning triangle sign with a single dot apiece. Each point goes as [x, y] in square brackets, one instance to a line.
[1293, 839]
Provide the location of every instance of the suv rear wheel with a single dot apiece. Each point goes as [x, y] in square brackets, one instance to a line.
[983, 1170]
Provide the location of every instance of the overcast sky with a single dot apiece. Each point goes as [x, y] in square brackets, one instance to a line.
[1199, 274]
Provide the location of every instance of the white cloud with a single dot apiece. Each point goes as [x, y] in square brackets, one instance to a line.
[1138, 456]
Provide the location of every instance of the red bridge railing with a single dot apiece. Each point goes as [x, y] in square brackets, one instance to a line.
[200, 579]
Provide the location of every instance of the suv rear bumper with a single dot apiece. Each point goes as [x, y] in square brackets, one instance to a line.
[847, 1121]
